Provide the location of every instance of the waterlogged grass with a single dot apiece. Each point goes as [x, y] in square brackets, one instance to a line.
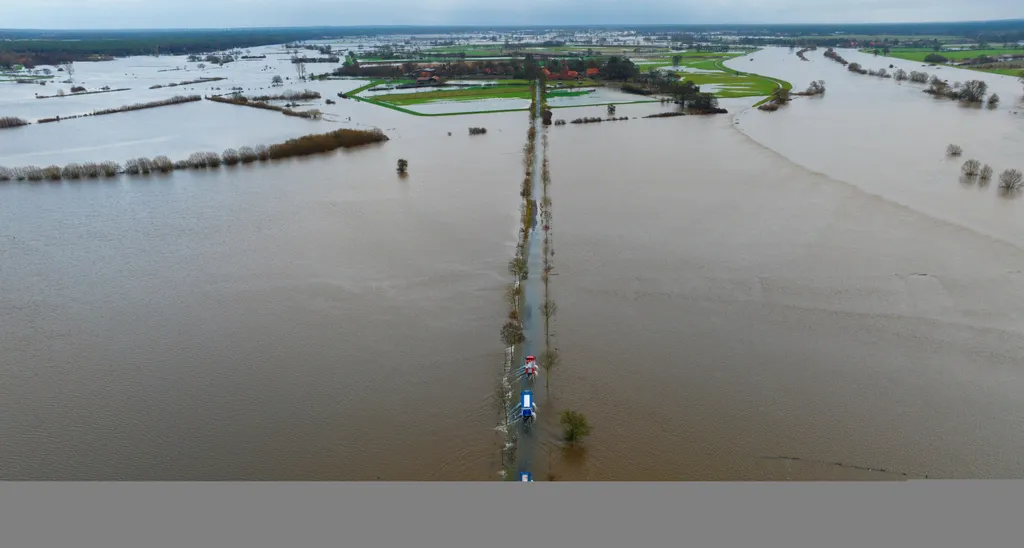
[471, 94]
[730, 83]
[414, 113]
[463, 94]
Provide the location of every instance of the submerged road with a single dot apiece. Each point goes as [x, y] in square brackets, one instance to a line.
[533, 293]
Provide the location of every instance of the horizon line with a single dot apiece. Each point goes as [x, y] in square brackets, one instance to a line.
[521, 26]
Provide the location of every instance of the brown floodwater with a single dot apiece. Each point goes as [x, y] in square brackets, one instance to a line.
[311, 319]
[720, 306]
[813, 284]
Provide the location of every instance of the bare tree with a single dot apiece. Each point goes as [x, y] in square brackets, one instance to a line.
[549, 360]
[277, 81]
[971, 167]
[986, 172]
[110, 169]
[1011, 179]
[231, 157]
[163, 164]
[900, 75]
[919, 77]
[247, 154]
[993, 100]
[816, 87]
[517, 267]
[954, 150]
[973, 91]
[72, 171]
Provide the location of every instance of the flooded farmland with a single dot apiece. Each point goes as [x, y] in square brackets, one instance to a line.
[746, 298]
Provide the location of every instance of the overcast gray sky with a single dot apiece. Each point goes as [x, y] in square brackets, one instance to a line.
[79, 14]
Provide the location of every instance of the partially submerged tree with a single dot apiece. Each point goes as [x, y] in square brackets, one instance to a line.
[986, 172]
[277, 81]
[611, 110]
[548, 360]
[954, 150]
[512, 333]
[973, 91]
[816, 87]
[575, 426]
[900, 75]
[517, 267]
[1011, 179]
[971, 167]
[993, 100]
[403, 165]
[918, 77]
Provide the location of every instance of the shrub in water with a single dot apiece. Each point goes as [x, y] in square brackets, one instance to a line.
[230, 157]
[163, 164]
[971, 167]
[52, 173]
[247, 155]
[1011, 179]
[72, 171]
[110, 169]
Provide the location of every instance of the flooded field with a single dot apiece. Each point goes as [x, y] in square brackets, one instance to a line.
[744, 296]
[311, 319]
[725, 306]
[889, 139]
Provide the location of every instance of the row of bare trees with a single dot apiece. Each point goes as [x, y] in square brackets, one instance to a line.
[512, 333]
[310, 144]
[596, 119]
[1009, 180]
[176, 100]
[11, 121]
[304, 95]
[971, 91]
[241, 100]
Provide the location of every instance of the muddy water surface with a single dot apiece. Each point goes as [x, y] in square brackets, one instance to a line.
[313, 319]
[719, 304]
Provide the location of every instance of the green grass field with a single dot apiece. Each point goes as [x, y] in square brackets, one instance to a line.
[730, 83]
[464, 94]
[470, 94]
[918, 54]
